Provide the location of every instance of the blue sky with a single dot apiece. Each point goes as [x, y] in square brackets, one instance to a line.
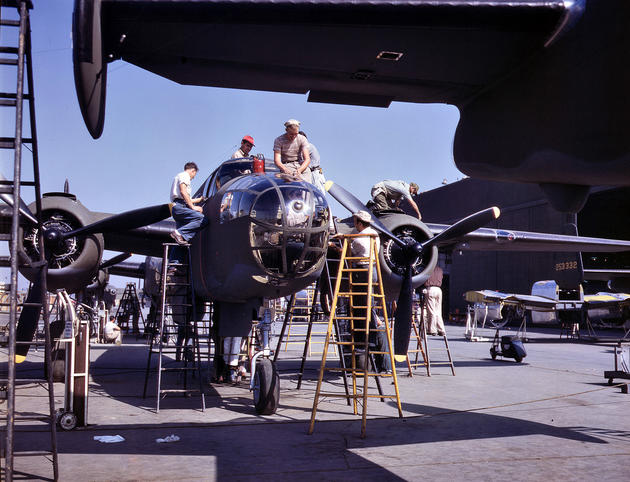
[153, 126]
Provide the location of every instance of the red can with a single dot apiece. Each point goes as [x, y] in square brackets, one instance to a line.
[258, 165]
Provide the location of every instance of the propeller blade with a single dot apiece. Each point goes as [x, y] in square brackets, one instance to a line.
[27, 323]
[464, 226]
[403, 316]
[124, 221]
[352, 204]
[24, 210]
[115, 260]
[7, 197]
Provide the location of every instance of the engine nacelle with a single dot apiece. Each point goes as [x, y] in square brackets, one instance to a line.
[72, 263]
[406, 228]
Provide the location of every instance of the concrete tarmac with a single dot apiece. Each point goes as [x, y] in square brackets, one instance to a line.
[553, 416]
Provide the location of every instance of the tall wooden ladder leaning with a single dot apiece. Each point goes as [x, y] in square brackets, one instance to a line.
[177, 332]
[19, 57]
[359, 346]
[129, 308]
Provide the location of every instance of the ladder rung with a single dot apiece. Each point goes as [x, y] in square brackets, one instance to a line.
[8, 102]
[10, 23]
[9, 142]
[32, 453]
[42, 418]
[180, 390]
[8, 50]
[5, 237]
[13, 96]
[8, 182]
[8, 61]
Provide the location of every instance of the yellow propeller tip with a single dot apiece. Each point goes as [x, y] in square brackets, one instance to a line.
[496, 211]
[19, 358]
[400, 358]
[328, 185]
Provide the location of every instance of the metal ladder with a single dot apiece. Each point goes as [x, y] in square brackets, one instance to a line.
[20, 57]
[129, 307]
[363, 290]
[296, 317]
[446, 348]
[419, 335]
[178, 325]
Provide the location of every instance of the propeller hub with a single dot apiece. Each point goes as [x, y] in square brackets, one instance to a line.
[52, 237]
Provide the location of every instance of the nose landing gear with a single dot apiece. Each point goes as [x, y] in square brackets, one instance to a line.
[265, 380]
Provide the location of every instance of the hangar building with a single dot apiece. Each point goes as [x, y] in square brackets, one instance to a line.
[525, 208]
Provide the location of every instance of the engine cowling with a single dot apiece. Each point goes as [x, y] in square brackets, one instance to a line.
[72, 263]
[409, 229]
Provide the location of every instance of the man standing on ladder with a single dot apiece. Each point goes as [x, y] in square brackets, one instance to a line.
[189, 218]
[360, 247]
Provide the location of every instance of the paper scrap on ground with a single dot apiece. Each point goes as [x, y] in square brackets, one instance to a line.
[109, 439]
[170, 438]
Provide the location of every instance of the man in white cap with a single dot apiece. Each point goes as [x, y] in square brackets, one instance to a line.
[246, 145]
[287, 149]
[361, 247]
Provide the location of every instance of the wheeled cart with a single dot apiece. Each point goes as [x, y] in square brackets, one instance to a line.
[622, 365]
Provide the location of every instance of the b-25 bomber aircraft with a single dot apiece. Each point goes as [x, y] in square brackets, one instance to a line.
[267, 238]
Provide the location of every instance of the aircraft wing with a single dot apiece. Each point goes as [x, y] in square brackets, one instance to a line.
[130, 269]
[602, 299]
[450, 49]
[540, 84]
[509, 240]
[529, 302]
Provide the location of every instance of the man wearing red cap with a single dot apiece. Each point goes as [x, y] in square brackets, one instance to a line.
[246, 145]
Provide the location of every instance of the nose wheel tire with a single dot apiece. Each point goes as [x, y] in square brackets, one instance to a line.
[266, 387]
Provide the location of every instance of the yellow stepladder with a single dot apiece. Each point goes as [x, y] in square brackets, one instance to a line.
[365, 295]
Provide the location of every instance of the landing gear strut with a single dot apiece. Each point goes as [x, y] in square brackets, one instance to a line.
[265, 380]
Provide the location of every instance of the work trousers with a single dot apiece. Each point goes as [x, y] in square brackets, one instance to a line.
[318, 179]
[380, 202]
[433, 314]
[188, 221]
[231, 350]
[293, 170]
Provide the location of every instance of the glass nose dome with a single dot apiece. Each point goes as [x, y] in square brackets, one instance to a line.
[289, 229]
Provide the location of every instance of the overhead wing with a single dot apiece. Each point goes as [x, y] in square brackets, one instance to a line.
[511, 240]
[430, 51]
[540, 84]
